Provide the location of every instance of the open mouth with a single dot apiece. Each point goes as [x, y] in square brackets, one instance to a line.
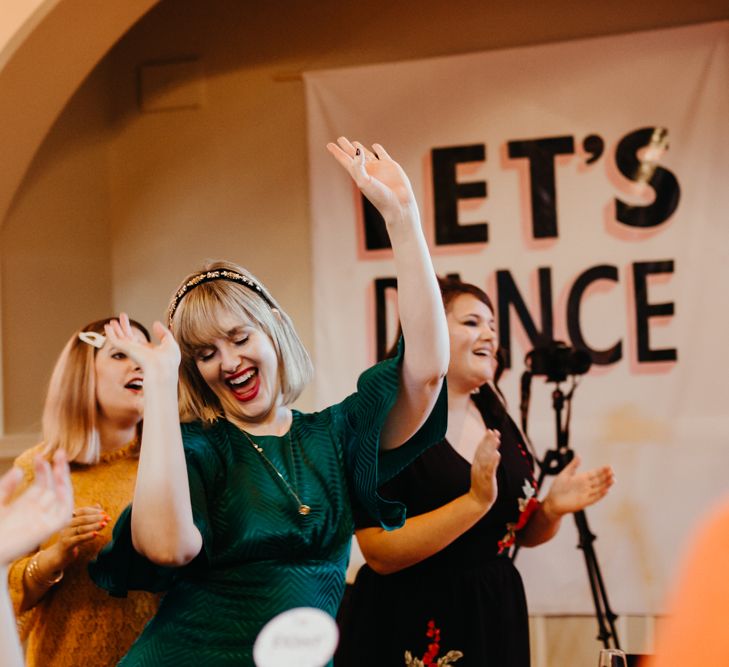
[484, 352]
[245, 384]
[135, 385]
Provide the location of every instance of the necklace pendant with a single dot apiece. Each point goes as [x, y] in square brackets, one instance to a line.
[304, 509]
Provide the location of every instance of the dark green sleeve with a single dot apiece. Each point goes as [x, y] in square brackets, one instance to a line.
[119, 568]
[362, 416]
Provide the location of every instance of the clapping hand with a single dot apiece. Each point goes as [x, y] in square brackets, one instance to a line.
[86, 524]
[572, 491]
[483, 469]
[379, 177]
[40, 511]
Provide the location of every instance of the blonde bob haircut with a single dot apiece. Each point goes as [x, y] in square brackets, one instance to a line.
[71, 412]
[195, 323]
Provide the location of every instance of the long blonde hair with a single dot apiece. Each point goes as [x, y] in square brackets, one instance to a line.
[70, 413]
[194, 324]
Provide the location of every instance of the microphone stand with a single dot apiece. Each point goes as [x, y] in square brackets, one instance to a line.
[552, 464]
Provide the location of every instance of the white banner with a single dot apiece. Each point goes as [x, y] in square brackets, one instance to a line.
[584, 185]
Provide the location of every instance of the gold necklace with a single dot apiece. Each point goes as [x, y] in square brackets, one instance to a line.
[303, 509]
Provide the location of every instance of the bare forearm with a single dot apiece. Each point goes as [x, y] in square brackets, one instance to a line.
[419, 301]
[421, 537]
[162, 525]
[425, 330]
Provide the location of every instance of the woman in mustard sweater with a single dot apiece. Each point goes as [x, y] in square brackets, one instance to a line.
[93, 412]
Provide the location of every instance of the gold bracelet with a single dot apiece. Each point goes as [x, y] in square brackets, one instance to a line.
[34, 573]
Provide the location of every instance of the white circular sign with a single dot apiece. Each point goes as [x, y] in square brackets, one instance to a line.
[302, 637]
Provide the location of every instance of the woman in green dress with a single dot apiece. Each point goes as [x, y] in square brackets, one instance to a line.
[244, 511]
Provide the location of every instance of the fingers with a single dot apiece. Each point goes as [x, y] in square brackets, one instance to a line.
[339, 154]
[8, 483]
[85, 520]
[86, 524]
[484, 486]
[596, 484]
[492, 435]
[83, 515]
[344, 152]
[125, 324]
[43, 475]
[161, 331]
[364, 152]
[381, 153]
[113, 332]
[351, 148]
[357, 166]
[599, 477]
[572, 466]
[603, 478]
[119, 329]
[347, 146]
[487, 453]
[348, 152]
[62, 481]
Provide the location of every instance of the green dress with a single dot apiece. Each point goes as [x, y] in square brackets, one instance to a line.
[261, 557]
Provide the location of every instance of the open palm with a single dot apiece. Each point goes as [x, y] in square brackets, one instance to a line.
[572, 491]
[40, 511]
[378, 176]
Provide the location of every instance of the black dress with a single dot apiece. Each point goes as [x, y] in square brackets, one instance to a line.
[468, 597]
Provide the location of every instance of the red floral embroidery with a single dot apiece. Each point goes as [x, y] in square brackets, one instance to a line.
[430, 658]
[527, 506]
[434, 647]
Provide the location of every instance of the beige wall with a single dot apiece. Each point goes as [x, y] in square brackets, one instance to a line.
[55, 251]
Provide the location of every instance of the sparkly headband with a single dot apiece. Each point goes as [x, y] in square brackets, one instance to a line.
[208, 276]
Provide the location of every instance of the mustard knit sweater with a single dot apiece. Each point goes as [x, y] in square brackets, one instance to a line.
[76, 623]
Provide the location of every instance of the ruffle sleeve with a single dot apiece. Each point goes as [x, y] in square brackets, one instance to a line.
[119, 568]
[361, 417]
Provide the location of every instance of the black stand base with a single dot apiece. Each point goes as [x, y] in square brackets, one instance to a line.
[554, 461]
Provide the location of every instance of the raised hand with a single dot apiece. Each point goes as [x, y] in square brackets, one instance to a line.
[572, 491]
[379, 177]
[162, 359]
[483, 469]
[41, 510]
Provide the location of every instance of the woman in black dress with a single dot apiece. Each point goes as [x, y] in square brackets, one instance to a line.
[443, 587]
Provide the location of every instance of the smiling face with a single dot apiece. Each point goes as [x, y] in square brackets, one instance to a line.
[473, 343]
[240, 366]
[119, 385]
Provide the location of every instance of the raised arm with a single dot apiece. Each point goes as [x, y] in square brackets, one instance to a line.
[571, 491]
[422, 317]
[162, 524]
[424, 535]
